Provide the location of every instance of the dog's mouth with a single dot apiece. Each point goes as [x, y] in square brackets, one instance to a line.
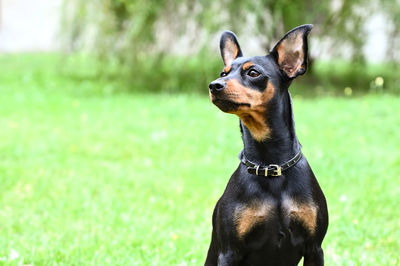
[228, 105]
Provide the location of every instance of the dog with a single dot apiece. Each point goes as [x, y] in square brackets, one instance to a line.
[273, 211]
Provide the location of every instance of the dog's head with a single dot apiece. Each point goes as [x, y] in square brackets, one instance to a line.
[248, 85]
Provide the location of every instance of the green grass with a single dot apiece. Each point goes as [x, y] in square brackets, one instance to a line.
[90, 176]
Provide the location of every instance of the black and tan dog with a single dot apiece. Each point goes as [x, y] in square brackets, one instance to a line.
[273, 211]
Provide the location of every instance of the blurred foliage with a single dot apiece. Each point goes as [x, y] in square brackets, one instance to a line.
[192, 75]
[144, 38]
[392, 11]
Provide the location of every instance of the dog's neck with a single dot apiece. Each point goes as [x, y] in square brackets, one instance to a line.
[282, 144]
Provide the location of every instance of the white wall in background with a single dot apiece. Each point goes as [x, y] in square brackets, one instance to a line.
[377, 36]
[29, 25]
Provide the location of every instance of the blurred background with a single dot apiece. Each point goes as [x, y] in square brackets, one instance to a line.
[353, 43]
[112, 154]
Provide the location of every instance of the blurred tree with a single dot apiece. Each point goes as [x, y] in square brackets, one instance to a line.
[131, 27]
[392, 11]
[139, 33]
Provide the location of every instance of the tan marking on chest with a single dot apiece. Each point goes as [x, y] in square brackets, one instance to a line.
[247, 216]
[306, 213]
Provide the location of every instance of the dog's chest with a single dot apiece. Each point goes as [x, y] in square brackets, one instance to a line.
[284, 213]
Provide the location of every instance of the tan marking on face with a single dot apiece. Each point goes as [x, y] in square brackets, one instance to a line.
[230, 51]
[306, 213]
[227, 68]
[291, 54]
[247, 216]
[247, 65]
[253, 117]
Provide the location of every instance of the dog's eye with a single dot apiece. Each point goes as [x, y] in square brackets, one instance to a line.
[253, 73]
[223, 74]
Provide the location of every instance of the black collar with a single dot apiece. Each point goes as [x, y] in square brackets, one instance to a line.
[269, 170]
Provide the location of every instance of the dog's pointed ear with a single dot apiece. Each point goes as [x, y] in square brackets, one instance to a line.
[291, 51]
[229, 47]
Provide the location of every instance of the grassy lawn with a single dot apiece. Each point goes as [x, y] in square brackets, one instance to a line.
[92, 177]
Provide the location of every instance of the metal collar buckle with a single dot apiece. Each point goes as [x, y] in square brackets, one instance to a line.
[276, 170]
[258, 167]
[270, 170]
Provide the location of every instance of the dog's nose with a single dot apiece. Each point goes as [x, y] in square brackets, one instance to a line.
[217, 86]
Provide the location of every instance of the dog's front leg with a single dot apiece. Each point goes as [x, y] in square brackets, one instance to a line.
[229, 258]
[314, 257]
